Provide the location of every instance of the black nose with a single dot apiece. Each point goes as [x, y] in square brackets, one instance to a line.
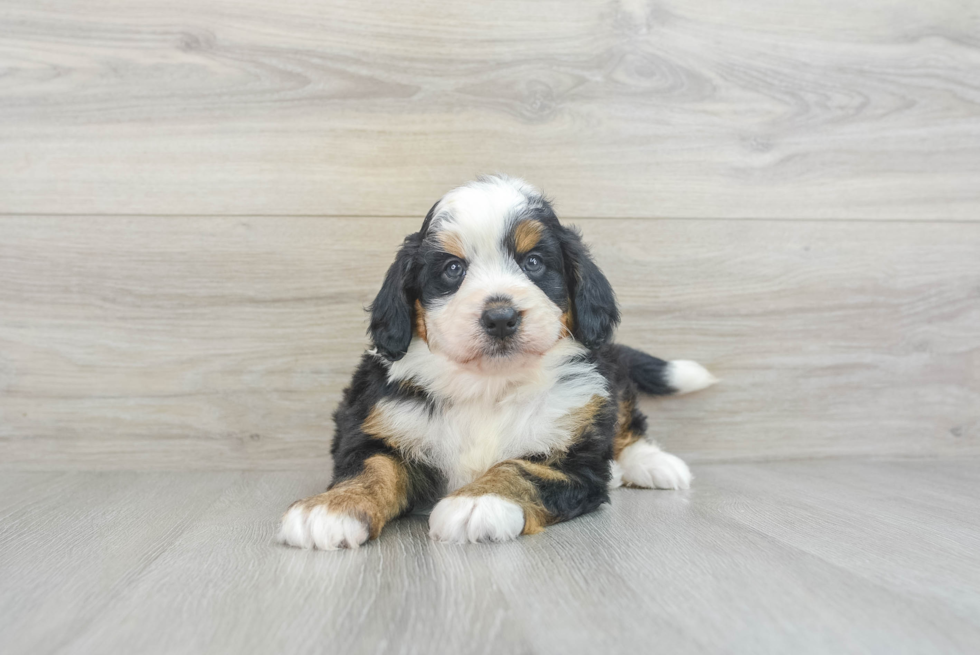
[500, 320]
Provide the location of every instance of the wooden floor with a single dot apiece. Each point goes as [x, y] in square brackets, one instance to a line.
[794, 557]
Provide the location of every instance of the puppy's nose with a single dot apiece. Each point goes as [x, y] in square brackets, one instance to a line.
[500, 320]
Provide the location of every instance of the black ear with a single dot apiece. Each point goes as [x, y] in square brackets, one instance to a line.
[391, 311]
[594, 311]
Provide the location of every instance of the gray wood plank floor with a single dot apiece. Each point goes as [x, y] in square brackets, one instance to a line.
[792, 557]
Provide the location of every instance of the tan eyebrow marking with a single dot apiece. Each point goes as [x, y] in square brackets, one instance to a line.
[451, 244]
[526, 235]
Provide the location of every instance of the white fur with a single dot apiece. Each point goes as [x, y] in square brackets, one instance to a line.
[481, 213]
[491, 403]
[453, 325]
[615, 474]
[478, 217]
[685, 376]
[643, 464]
[307, 527]
[490, 407]
[486, 417]
[473, 519]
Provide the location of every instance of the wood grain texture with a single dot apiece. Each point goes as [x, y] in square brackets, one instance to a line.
[940, 562]
[674, 108]
[165, 343]
[71, 542]
[789, 557]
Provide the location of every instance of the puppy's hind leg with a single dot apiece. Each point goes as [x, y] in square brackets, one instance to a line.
[643, 464]
[637, 460]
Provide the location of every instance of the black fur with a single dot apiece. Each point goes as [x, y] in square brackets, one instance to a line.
[352, 446]
[571, 279]
[586, 464]
[392, 309]
[594, 307]
[552, 278]
[648, 372]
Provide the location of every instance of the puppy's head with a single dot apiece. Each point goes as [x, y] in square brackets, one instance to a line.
[490, 277]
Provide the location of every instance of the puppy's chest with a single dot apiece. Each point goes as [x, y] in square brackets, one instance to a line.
[464, 439]
[470, 438]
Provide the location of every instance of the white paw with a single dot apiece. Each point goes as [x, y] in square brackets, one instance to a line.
[615, 474]
[645, 465]
[471, 519]
[685, 376]
[305, 527]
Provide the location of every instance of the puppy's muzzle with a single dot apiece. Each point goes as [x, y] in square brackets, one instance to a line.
[500, 319]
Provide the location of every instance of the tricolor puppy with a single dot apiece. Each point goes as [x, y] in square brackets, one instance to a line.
[492, 389]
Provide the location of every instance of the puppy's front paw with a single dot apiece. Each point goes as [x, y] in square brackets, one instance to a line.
[471, 519]
[306, 526]
[644, 465]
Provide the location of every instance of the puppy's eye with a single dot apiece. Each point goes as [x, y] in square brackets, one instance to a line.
[533, 264]
[454, 270]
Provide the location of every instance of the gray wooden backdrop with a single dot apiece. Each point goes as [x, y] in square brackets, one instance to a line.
[198, 198]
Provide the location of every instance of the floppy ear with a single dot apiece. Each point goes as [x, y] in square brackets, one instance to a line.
[391, 311]
[594, 311]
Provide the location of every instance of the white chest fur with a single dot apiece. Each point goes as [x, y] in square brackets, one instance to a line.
[482, 418]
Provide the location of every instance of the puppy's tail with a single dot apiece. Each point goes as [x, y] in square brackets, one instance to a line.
[659, 378]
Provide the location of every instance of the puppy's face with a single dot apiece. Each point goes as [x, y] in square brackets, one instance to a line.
[491, 277]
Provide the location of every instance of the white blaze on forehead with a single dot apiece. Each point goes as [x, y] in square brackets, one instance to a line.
[482, 213]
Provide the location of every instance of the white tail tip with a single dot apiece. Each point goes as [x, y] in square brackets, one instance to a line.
[685, 376]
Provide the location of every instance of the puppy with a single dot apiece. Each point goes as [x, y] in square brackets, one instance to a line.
[492, 389]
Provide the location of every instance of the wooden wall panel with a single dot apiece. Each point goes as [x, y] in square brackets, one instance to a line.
[678, 108]
[223, 342]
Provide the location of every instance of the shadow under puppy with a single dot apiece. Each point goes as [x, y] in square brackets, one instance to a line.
[492, 387]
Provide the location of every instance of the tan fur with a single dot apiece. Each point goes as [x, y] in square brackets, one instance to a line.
[377, 425]
[542, 471]
[624, 435]
[452, 244]
[568, 323]
[579, 420]
[526, 236]
[506, 480]
[576, 423]
[420, 329]
[377, 495]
